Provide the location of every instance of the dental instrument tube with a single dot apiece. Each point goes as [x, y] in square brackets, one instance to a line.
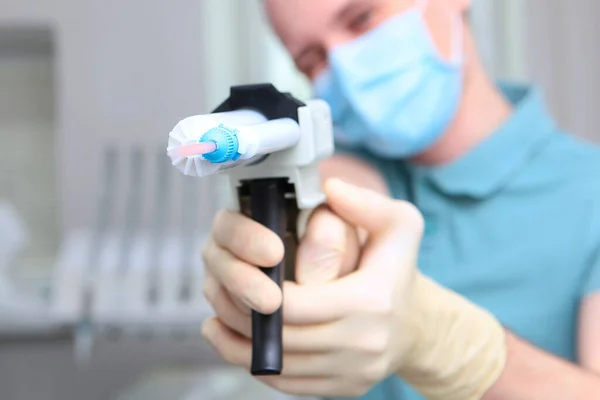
[267, 201]
[253, 122]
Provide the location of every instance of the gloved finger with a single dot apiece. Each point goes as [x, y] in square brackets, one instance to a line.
[328, 249]
[314, 387]
[317, 304]
[237, 350]
[331, 337]
[395, 228]
[210, 282]
[232, 347]
[247, 239]
[244, 282]
[303, 219]
[354, 244]
[226, 310]
[336, 300]
[370, 210]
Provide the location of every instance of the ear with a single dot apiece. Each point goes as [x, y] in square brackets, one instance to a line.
[463, 5]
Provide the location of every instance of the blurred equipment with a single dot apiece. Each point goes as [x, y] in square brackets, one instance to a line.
[127, 278]
[19, 313]
[13, 234]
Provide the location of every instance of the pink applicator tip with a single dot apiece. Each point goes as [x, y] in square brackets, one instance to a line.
[191, 150]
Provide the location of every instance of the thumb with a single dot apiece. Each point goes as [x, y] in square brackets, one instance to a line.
[329, 248]
[394, 225]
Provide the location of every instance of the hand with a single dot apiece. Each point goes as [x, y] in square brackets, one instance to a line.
[341, 336]
[329, 249]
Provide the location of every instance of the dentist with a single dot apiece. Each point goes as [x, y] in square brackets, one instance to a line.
[458, 255]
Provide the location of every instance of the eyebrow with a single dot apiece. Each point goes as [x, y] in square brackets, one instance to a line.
[347, 11]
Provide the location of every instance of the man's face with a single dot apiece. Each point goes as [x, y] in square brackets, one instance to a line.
[309, 29]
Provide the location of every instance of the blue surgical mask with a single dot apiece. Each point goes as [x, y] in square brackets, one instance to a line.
[390, 90]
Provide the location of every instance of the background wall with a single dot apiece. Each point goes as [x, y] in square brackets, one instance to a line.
[563, 56]
[552, 43]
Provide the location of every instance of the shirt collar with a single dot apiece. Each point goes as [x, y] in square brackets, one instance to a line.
[493, 163]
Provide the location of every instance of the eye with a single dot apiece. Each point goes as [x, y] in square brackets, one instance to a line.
[362, 21]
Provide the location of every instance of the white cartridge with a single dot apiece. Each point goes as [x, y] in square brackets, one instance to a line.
[238, 117]
[268, 137]
[232, 145]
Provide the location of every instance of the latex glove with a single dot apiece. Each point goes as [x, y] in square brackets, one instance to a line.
[343, 337]
[329, 247]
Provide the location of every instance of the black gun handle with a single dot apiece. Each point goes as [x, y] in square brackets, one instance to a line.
[267, 204]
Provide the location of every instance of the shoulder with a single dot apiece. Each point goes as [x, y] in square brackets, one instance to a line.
[575, 184]
[581, 188]
[572, 147]
[562, 180]
[561, 185]
[570, 163]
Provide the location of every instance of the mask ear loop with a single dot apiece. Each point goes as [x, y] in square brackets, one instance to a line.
[456, 34]
[456, 43]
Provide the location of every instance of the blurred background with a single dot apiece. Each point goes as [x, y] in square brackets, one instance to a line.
[89, 203]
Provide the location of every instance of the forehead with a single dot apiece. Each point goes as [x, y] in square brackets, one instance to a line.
[296, 21]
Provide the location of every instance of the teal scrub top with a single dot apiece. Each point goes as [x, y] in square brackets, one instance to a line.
[514, 226]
